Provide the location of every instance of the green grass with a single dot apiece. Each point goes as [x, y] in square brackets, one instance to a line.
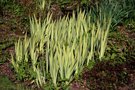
[6, 84]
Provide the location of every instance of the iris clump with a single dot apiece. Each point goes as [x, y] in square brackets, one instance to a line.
[60, 48]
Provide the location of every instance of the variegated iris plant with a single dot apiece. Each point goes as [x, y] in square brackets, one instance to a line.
[65, 45]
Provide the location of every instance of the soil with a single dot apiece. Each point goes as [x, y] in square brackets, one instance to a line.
[108, 76]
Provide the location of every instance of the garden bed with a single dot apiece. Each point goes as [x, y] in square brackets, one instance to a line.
[115, 72]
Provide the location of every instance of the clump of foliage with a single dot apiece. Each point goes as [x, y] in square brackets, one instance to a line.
[59, 48]
[120, 10]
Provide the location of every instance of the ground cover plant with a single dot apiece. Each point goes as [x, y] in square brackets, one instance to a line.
[75, 45]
